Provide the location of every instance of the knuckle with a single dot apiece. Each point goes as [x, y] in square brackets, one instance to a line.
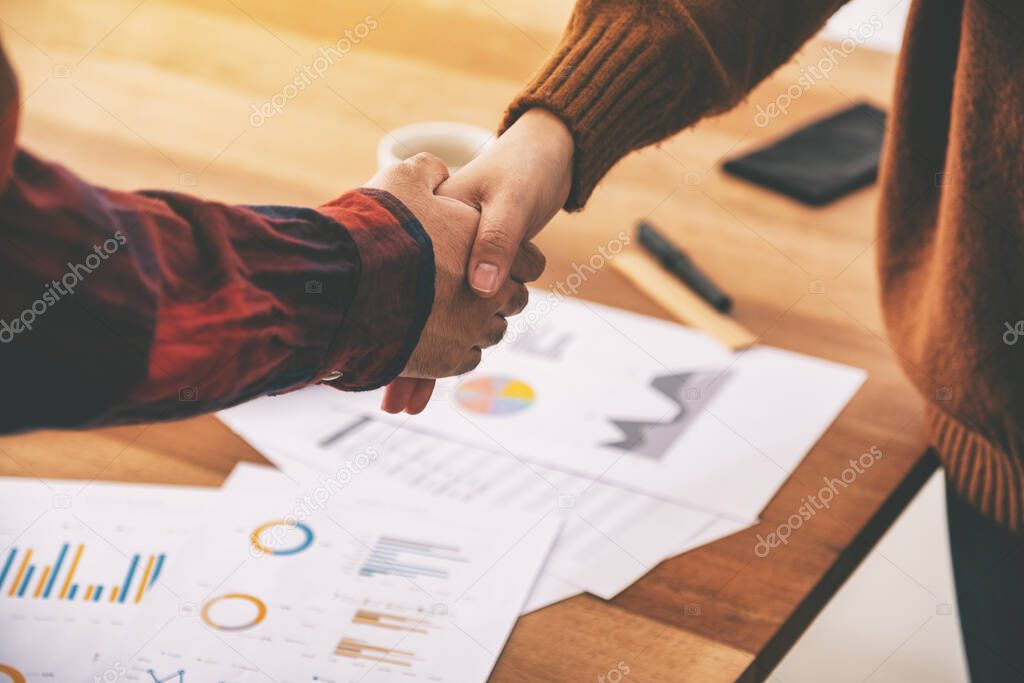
[449, 366]
[468, 362]
[496, 241]
[516, 300]
[425, 162]
[400, 174]
[498, 332]
[537, 259]
[522, 298]
[529, 264]
[425, 158]
[406, 166]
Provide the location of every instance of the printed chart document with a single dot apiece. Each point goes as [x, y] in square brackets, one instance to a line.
[79, 561]
[302, 580]
[643, 403]
[611, 536]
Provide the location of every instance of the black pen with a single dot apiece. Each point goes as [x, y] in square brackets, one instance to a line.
[680, 265]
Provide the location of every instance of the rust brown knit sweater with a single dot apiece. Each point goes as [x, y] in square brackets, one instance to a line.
[629, 73]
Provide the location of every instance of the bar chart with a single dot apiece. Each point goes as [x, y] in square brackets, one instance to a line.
[358, 649]
[21, 577]
[393, 622]
[82, 562]
[411, 559]
[391, 638]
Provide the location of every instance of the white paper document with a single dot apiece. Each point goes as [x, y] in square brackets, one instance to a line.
[639, 402]
[611, 536]
[78, 561]
[294, 579]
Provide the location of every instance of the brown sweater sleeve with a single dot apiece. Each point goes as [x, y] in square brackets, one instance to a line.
[628, 73]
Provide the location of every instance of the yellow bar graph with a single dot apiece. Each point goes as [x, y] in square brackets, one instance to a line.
[113, 593]
[357, 649]
[71, 572]
[21, 573]
[145, 579]
[42, 582]
[88, 593]
[394, 622]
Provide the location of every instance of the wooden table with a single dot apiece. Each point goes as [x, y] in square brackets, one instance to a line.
[159, 94]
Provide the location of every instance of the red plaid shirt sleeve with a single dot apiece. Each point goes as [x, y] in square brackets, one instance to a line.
[123, 307]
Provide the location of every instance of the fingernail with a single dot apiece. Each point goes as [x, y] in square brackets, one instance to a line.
[485, 278]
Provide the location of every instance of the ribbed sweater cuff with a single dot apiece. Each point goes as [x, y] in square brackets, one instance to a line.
[609, 82]
[984, 475]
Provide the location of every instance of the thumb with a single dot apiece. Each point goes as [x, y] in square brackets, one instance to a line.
[497, 242]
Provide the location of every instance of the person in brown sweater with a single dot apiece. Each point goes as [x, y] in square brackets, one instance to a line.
[628, 73]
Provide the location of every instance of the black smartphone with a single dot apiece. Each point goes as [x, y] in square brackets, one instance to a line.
[820, 162]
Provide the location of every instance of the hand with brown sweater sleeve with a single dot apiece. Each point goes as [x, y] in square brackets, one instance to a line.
[626, 74]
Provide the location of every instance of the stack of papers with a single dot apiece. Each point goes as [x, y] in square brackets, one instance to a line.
[578, 456]
[647, 438]
[279, 579]
[612, 536]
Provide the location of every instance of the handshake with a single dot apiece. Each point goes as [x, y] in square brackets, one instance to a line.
[480, 223]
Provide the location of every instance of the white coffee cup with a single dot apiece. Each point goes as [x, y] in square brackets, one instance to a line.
[456, 144]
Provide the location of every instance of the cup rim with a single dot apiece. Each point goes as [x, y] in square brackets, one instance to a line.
[455, 131]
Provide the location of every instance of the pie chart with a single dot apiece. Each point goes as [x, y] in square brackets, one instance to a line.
[494, 395]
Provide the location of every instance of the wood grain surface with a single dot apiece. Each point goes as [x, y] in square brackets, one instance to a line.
[160, 94]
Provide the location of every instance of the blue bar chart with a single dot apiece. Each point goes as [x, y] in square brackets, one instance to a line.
[23, 578]
[411, 559]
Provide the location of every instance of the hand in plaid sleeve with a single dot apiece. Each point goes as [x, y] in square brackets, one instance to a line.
[461, 324]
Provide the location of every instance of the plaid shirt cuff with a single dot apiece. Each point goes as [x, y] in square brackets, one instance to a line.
[393, 297]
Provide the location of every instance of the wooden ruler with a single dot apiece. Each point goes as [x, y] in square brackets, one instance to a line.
[685, 305]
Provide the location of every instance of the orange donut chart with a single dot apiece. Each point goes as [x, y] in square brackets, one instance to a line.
[261, 612]
[12, 673]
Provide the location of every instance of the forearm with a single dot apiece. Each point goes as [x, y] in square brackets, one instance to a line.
[628, 73]
[118, 307]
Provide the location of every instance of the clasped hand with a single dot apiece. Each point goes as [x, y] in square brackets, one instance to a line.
[480, 222]
[461, 323]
